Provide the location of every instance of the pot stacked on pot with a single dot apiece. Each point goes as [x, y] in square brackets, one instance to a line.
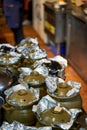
[18, 107]
[67, 95]
[31, 68]
[50, 113]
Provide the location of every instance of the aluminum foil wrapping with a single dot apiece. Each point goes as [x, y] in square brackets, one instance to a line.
[24, 51]
[28, 40]
[10, 58]
[19, 126]
[40, 62]
[27, 45]
[60, 60]
[75, 87]
[24, 71]
[5, 48]
[42, 69]
[46, 103]
[52, 83]
[17, 87]
[54, 67]
[38, 54]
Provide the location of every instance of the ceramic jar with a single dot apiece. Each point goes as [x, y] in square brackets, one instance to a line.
[51, 116]
[18, 107]
[73, 101]
[36, 80]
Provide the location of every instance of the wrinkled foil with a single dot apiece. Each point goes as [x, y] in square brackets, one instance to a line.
[4, 47]
[19, 126]
[17, 87]
[75, 87]
[28, 40]
[30, 49]
[43, 70]
[60, 60]
[24, 51]
[38, 54]
[52, 83]
[24, 71]
[40, 62]
[47, 103]
[58, 72]
[27, 45]
[10, 58]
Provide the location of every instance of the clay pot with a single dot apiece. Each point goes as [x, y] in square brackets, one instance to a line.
[73, 101]
[62, 89]
[18, 107]
[36, 80]
[53, 116]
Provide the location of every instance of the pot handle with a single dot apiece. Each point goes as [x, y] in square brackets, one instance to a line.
[8, 107]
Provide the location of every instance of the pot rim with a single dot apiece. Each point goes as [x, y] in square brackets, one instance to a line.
[44, 123]
[22, 105]
[62, 98]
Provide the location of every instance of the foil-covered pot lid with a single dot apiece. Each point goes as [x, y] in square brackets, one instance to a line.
[62, 89]
[34, 78]
[47, 104]
[28, 42]
[38, 54]
[5, 48]
[26, 46]
[55, 115]
[9, 59]
[21, 97]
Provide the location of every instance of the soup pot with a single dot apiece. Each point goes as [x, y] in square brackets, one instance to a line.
[36, 80]
[53, 116]
[18, 107]
[73, 101]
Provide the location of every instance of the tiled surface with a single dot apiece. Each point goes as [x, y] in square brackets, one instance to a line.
[70, 73]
